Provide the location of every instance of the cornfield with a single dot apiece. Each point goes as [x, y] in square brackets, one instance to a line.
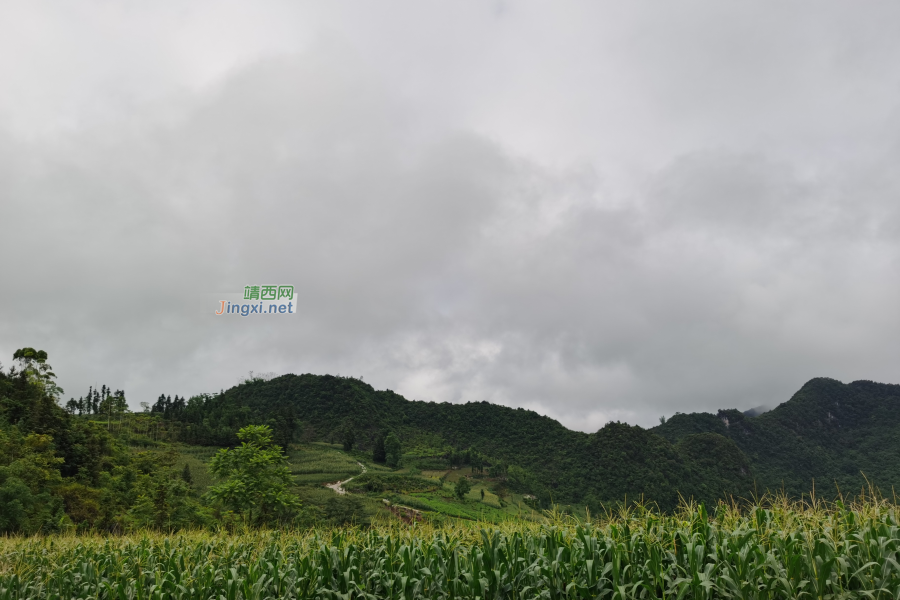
[777, 551]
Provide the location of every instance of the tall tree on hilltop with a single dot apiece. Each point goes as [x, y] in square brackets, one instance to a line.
[34, 364]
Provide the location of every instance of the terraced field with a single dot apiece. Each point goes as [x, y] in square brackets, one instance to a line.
[318, 464]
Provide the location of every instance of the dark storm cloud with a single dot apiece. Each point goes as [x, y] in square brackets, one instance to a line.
[673, 224]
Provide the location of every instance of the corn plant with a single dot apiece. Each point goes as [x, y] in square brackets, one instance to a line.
[771, 552]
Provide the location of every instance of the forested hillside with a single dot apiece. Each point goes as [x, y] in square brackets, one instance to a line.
[58, 470]
[829, 434]
[544, 458]
[94, 464]
[836, 434]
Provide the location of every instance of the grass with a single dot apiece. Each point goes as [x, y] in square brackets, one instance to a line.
[434, 474]
[315, 459]
[444, 501]
[775, 549]
[196, 458]
[321, 478]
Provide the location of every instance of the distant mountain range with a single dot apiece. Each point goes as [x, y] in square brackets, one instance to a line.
[832, 433]
[840, 436]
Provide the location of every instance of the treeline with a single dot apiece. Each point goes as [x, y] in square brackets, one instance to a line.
[168, 408]
[537, 455]
[833, 435]
[64, 467]
[97, 402]
[830, 435]
[59, 471]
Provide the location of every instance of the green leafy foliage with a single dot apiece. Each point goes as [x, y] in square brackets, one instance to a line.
[392, 450]
[382, 482]
[541, 456]
[96, 466]
[463, 487]
[256, 478]
[33, 364]
[765, 552]
[59, 471]
[346, 510]
[379, 454]
[829, 435]
[348, 437]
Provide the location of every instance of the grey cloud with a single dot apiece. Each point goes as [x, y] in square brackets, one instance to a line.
[438, 254]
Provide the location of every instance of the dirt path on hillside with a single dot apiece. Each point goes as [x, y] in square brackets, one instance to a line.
[338, 486]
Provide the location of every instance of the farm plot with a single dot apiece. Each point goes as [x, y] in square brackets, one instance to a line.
[759, 553]
[313, 460]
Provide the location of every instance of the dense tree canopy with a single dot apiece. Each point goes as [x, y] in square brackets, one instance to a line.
[59, 472]
[256, 478]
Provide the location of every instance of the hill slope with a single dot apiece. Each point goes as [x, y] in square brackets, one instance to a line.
[616, 462]
[828, 431]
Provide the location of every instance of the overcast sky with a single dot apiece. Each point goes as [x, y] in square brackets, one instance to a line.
[599, 211]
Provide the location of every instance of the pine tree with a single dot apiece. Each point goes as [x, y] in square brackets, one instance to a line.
[186, 474]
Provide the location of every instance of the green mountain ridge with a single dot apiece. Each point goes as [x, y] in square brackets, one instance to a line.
[94, 464]
[554, 463]
[833, 435]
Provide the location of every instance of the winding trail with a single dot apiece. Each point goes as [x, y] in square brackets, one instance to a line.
[411, 515]
[338, 486]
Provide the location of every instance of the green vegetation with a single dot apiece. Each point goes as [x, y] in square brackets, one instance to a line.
[260, 454]
[379, 482]
[462, 488]
[60, 472]
[764, 552]
[392, 450]
[112, 471]
[535, 454]
[256, 479]
[829, 434]
[197, 460]
[320, 458]
[176, 502]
